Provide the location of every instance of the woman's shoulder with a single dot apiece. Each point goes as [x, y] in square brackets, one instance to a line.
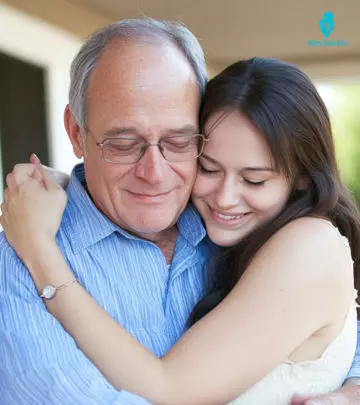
[308, 255]
[312, 243]
[310, 223]
[311, 232]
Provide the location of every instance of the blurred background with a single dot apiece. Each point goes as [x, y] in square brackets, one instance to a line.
[39, 38]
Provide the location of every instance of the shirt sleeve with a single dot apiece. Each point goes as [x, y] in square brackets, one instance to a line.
[39, 361]
[355, 368]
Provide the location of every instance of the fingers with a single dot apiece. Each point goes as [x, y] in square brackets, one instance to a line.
[42, 172]
[46, 176]
[34, 159]
[344, 395]
[299, 399]
[37, 162]
[24, 171]
[6, 195]
[3, 207]
[21, 173]
[3, 211]
[39, 173]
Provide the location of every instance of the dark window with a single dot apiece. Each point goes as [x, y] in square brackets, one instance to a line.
[23, 126]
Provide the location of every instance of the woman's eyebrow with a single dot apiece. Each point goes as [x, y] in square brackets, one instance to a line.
[244, 169]
[258, 169]
[212, 160]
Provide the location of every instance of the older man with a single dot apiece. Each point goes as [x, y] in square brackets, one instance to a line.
[127, 232]
[135, 83]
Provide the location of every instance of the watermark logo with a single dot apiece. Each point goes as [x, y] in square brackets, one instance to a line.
[327, 25]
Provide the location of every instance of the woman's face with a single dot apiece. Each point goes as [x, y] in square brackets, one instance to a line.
[237, 187]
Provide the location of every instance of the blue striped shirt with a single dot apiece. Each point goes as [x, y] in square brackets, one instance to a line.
[39, 362]
[355, 368]
[127, 276]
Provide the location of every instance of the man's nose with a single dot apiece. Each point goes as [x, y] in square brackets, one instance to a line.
[152, 166]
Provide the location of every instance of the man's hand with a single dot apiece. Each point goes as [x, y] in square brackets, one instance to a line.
[346, 395]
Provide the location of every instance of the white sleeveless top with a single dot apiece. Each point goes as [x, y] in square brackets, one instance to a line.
[310, 377]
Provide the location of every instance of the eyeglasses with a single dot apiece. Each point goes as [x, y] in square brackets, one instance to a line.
[128, 149]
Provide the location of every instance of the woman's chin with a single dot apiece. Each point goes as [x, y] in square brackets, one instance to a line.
[223, 240]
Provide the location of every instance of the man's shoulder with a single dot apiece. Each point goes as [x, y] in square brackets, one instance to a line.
[7, 253]
[14, 277]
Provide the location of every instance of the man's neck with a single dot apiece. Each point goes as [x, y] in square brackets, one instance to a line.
[164, 240]
[167, 244]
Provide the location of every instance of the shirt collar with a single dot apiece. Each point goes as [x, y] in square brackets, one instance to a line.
[190, 225]
[85, 225]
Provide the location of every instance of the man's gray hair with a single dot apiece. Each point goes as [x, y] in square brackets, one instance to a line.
[145, 30]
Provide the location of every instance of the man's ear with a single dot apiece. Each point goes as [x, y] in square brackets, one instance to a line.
[303, 182]
[74, 133]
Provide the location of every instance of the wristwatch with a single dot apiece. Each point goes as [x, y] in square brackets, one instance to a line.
[49, 291]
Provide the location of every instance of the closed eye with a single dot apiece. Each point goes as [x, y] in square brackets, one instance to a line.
[255, 183]
[207, 171]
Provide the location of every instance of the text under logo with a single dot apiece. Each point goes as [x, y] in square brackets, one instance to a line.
[327, 25]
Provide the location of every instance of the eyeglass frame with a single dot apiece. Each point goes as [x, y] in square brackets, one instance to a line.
[146, 145]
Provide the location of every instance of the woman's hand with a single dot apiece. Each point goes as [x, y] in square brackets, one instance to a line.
[23, 171]
[32, 210]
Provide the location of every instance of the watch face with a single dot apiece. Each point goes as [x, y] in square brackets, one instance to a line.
[48, 292]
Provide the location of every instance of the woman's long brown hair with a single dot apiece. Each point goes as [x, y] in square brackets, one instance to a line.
[284, 105]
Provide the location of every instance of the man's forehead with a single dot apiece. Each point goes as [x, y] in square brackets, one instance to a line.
[148, 93]
[116, 131]
[143, 63]
[149, 84]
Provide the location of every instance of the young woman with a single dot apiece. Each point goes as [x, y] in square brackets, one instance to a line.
[280, 314]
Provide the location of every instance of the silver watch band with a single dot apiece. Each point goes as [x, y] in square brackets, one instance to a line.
[49, 291]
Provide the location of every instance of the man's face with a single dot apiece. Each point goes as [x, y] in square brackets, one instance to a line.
[151, 91]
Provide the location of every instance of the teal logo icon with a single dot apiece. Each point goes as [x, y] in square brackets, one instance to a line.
[327, 24]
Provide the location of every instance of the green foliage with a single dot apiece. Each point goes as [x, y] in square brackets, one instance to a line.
[345, 119]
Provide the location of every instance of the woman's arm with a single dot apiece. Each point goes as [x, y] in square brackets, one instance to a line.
[258, 325]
